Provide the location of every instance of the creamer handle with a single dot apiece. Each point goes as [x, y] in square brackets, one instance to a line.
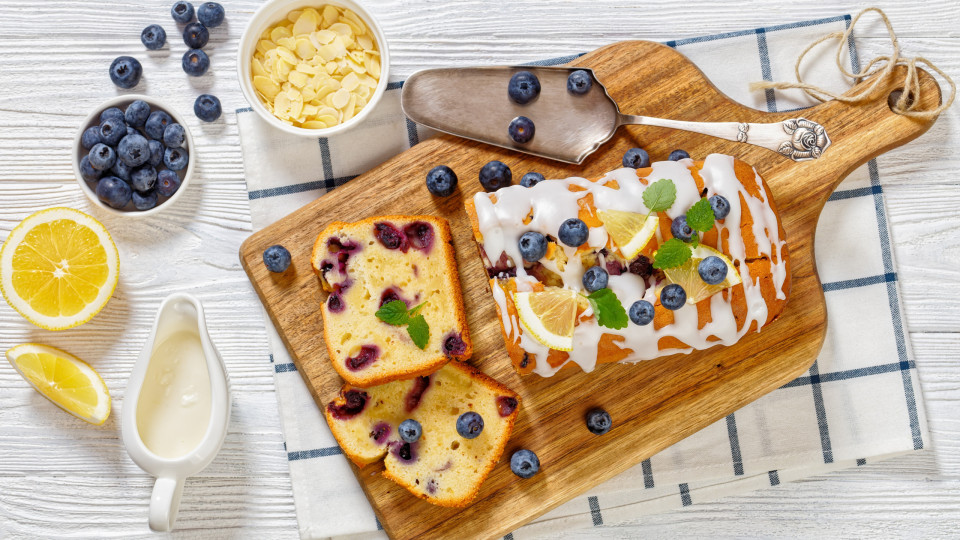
[164, 503]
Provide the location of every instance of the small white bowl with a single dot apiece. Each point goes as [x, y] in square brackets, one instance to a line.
[94, 120]
[276, 10]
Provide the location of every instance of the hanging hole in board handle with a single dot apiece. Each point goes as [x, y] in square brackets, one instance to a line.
[894, 97]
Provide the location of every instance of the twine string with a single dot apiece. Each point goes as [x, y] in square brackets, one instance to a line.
[884, 65]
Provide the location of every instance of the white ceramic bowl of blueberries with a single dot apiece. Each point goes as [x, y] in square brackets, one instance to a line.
[133, 156]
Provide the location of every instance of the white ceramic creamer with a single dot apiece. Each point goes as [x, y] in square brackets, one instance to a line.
[177, 405]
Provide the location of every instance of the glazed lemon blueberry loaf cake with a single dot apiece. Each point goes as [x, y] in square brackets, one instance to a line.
[439, 435]
[394, 309]
[637, 264]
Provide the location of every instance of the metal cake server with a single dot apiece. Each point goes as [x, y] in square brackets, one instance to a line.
[473, 103]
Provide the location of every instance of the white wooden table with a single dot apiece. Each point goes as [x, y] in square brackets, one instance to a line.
[62, 478]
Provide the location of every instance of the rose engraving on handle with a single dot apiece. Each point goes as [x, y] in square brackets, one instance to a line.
[807, 141]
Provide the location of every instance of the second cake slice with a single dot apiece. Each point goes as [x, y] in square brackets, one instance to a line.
[371, 263]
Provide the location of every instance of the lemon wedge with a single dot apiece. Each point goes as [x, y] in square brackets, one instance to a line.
[688, 277]
[64, 379]
[549, 315]
[631, 232]
[58, 268]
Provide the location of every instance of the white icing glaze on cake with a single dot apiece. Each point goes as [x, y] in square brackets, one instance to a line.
[501, 224]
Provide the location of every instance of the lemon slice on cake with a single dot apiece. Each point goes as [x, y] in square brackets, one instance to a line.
[64, 379]
[631, 232]
[688, 277]
[58, 268]
[549, 315]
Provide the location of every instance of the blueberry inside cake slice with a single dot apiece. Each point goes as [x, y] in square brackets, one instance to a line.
[442, 465]
[404, 260]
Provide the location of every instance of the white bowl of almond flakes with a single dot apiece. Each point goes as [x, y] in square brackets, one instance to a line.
[313, 69]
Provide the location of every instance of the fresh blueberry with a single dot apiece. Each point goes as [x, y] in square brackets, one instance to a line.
[175, 158]
[87, 171]
[573, 232]
[673, 297]
[144, 179]
[598, 421]
[641, 312]
[90, 137]
[276, 258]
[531, 179]
[153, 37]
[137, 113]
[441, 181]
[168, 182]
[144, 201]
[122, 171]
[410, 430]
[521, 129]
[712, 270]
[595, 278]
[182, 12]
[677, 155]
[125, 71]
[579, 82]
[533, 246]
[112, 130]
[207, 107]
[720, 205]
[524, 87]
[156, 123]
[134, 150]
[469, 425]
[112, 112]
[196, 35]
[102, 157]
[156, 153]
[174, 136]
[114, 192]
[195, 62]
[495, 175]
[210, 14]
[680, 229]
[636, 158]
[524, 463]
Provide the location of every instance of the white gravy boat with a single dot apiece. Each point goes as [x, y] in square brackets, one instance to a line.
[168, 434]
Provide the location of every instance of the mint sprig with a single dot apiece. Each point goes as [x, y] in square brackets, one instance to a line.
[660, 195]
[672, 253]
[609, 310]
[700, 216]
[396, 313]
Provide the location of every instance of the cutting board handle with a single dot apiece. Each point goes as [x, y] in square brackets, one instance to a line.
[863, 130]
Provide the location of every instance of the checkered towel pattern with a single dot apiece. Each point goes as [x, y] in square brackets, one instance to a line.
[860, 401]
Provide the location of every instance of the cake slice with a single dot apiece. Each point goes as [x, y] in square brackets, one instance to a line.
[749, 238]
[370, 263]
[442, 467]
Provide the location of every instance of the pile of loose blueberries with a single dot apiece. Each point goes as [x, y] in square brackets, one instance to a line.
[134, 155]
[125, 71]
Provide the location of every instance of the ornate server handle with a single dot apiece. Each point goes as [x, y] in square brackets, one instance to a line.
[798, 138]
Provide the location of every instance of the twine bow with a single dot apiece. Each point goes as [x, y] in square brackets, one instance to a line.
[909, 98]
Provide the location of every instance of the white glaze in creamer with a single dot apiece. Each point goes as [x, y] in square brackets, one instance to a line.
[501, 224]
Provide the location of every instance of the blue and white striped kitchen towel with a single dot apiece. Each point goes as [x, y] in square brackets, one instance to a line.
[859, 402]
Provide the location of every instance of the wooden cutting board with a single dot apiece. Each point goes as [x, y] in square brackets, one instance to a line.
[653, 404]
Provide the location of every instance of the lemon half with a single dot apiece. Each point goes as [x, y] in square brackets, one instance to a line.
[58, 268]
[631, 232]
[688, 277]
[64, 379]
[549, 316]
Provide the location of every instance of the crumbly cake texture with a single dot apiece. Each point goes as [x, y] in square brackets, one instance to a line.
[441, 467]
[751, 236]
[367, 264]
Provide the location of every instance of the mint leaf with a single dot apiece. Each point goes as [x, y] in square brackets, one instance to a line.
[659, 196]
[415, 310]
[700, 216]
[609, 310]
[394, 312]
[671, 254]
[419, 331]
